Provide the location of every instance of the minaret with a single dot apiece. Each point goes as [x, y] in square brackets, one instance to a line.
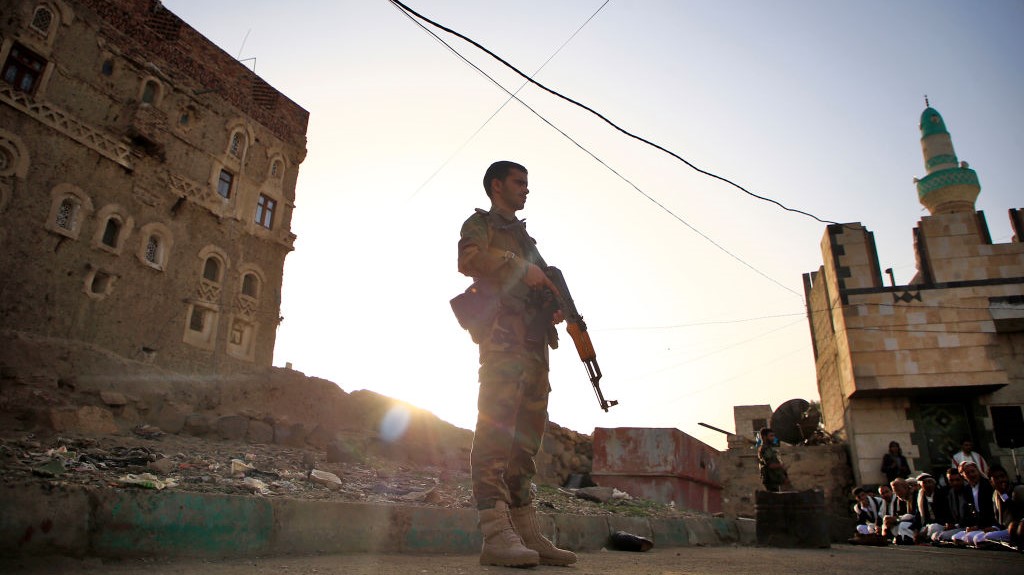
[949, 187]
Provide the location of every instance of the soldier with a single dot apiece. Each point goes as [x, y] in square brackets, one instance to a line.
[773, 473]
[496, 251]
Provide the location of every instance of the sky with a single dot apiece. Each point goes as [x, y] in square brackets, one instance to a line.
[691, 289]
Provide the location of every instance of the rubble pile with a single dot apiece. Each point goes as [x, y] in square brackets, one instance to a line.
[74, 415]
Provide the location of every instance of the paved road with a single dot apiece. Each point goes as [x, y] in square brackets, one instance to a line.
[839, 560]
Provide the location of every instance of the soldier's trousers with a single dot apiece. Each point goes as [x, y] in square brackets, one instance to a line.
[512, 410]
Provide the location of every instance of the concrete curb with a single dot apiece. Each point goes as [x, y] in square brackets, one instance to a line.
[41, 520]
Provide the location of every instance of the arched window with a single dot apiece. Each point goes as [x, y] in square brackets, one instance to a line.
[114, 226]
[42, 20]
[67, 214]
[150, 92]
[155, 247]
[111, 232]
[211, 269]
[237, 145]
[68, 209]
[276, 169]
[251, 285]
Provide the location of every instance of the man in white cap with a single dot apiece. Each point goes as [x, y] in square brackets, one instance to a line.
[978, 492]
[929, 509]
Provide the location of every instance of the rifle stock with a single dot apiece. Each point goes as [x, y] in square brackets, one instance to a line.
[577, 329]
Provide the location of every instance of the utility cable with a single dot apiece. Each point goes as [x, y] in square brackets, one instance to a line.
[409, 10]
[506, 102]
[602, 162]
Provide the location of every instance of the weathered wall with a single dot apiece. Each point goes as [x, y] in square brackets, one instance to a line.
[824, 467]
[131, 121]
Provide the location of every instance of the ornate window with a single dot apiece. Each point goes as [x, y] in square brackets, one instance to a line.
[237, 146]
[68, 209]
[23, 69]
[241, 337]
[42, 19]
[265, 207]
[67, 214]
[276, 169]
[204, 310]
[155, 247]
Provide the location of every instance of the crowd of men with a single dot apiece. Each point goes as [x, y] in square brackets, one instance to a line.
[974, 505]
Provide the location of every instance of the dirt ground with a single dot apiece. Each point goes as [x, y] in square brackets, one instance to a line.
[724, 560]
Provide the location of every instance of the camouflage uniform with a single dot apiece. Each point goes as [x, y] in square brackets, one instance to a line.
[513, 397]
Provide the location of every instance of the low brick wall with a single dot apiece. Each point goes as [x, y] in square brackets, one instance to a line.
[825, 467]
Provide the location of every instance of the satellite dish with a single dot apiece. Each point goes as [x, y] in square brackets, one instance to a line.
[788, 421]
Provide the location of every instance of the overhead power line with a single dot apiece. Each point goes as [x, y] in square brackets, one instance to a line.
[511, 97]
[557, 94]
[599, 160]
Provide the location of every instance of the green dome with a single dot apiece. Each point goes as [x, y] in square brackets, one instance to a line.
[931, 123]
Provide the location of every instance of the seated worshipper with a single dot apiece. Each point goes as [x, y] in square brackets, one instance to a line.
[888, 502]
[967, 453]
[977, 492]
[929, 513]
[894, 464]
[868, 510]
[953, 506]
[1007, 510]
[899, 526]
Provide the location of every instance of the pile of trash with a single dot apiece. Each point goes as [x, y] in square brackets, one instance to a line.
[152, 460]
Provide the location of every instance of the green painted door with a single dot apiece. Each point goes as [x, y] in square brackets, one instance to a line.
[940, 429]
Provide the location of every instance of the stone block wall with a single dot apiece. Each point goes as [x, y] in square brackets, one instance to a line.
[824, 467]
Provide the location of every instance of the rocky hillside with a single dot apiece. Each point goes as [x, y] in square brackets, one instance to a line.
[50, 386]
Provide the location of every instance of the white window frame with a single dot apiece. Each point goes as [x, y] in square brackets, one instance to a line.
[83, 209]
[103, 216]
[164, 243]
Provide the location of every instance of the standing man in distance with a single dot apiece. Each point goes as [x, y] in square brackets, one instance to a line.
[496, 251]
[967, 453]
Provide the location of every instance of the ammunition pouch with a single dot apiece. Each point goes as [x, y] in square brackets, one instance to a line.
[476, 309]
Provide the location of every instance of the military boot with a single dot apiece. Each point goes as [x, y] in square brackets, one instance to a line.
[502, 546]
[525, 521]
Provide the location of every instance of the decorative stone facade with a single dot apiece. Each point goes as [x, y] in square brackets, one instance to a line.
[935, 361]
[147, 181]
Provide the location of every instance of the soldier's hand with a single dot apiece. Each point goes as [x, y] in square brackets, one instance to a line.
[536, 278]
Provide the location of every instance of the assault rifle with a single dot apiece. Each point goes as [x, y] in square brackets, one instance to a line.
[578, 331]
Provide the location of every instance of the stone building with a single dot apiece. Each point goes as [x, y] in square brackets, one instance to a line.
[935, 361]
[147, 181]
